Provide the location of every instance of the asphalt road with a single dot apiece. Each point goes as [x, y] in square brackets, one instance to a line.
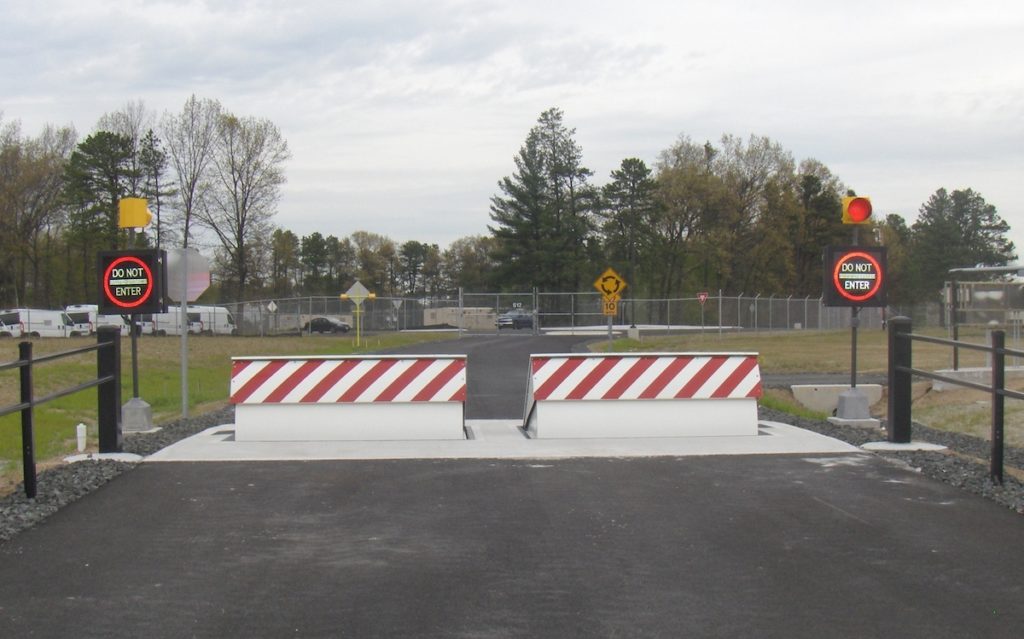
[729, 546]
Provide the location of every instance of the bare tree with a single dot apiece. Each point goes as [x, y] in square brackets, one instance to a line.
[190, 137]
[132, 121]
[246, 174]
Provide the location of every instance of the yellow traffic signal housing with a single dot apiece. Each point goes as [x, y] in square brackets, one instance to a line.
[856, 210]
[132, 213]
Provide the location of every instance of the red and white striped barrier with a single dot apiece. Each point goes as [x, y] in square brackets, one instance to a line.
[643, 395]
[348, 398]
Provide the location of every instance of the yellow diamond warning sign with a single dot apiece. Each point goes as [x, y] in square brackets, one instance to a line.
[610, 284]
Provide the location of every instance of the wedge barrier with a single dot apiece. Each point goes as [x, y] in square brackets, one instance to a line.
[642, 395]
[349, 397]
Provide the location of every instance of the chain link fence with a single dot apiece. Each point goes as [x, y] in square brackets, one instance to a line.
[479, 312]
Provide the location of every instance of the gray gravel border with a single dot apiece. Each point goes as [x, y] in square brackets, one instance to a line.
[965, 465]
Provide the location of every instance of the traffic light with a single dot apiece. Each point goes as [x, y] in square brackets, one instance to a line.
[856, 210]
[132, 213]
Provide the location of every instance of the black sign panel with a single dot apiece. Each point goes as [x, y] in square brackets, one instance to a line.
[132, 282]
[855, 276]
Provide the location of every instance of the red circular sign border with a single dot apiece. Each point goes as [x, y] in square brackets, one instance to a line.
[878, 280]
[149, 277]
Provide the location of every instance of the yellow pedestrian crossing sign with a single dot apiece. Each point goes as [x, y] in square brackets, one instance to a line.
[610, 285]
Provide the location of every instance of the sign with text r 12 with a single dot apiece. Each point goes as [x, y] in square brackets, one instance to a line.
[855, 276]
[132, 282]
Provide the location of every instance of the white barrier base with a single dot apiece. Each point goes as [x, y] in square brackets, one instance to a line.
[349, 422]
[643, 418]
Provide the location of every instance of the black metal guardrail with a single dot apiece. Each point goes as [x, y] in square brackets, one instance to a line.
[901, 373]
[108, 382]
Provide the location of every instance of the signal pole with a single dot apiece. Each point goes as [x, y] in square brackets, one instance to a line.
[853, 404]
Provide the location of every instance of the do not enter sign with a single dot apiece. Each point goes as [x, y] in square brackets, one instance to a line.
[855, 276]
[131, 282]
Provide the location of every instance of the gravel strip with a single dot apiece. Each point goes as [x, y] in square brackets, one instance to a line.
[965, 467]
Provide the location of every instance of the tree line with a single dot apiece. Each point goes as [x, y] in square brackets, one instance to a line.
[741, 216]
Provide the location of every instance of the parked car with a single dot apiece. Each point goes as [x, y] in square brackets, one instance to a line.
[516, 318]
[325, 325]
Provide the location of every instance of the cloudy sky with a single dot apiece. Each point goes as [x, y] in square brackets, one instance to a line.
[401, 116]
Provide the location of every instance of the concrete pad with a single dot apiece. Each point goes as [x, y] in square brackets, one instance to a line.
[499, 439]
[892, 447]
[136, 416]
[824, 398]
[869, 422]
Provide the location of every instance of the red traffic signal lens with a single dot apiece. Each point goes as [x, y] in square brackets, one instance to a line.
[859, 209]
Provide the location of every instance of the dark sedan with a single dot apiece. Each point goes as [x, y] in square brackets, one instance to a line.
[325, 325]
[516, 318]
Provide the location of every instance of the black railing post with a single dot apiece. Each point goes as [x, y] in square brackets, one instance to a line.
[898, 424]
[28, 453]
[108, 364]
[998, 384]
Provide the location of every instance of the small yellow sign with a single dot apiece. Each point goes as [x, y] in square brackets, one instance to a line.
[610, 306]
[610, 285]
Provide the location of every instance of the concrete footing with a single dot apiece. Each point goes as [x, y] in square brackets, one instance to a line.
[136, 416]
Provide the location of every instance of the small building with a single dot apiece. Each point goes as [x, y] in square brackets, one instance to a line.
[473, 318]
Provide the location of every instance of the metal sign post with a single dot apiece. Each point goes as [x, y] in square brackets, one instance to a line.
[610, 285]
[398, 318]
[189, 278]
[133, 282]
[855, 276]
[183, 317]
[358, 293]
[702, 297]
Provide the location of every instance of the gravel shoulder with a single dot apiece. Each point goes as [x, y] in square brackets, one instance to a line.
[964, 465]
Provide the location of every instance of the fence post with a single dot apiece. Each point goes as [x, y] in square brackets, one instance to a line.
[28, 454]
[898, 424]
[108, 364]
[998, 383]
[719, 312]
